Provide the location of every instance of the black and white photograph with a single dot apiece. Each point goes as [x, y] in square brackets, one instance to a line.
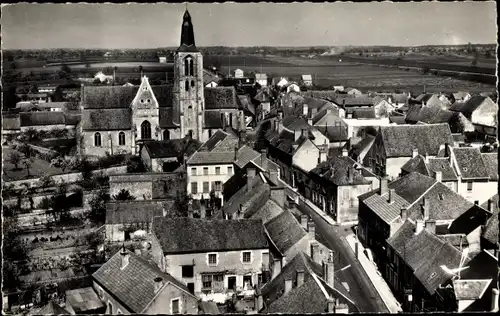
[249, 158]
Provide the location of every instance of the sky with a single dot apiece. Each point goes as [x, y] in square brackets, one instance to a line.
[26, 26]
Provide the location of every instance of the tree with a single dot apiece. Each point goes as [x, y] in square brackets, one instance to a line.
[123, 195]
[65, 68]
[97, 213]
[28, 162]
[59, 203]
[28, 191]
[15, 159]
[13, 250]
[46, 181]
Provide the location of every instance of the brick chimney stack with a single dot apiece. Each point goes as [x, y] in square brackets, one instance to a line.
[315, 252]
[158, 283]
[304, 219]
[250, 177]
[311, 230]
[392, 192]
[125, 257]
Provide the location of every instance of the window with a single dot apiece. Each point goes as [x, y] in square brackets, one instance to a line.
[207, 281]
[193, 171]
[247, 281]
[121, 139]
[205, 171]
[247, 256]
[191, 68]
[186, 67]
[175, 306]
[212, 259]
[194, 187]
[206, 187]
[146, 130]
[217, 186]
[229, 170]
[346, 194]
[217, 170]
[186, 85]
[119, 311]
[187, 271]
[166, 134]
[110, 308]
[192, 83]
[97, 139]
[469, 186]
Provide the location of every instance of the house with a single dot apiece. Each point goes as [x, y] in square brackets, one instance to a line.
[261, 79]
[125, 218]
[330, 124]
[353, 91]
[162, 59]
[149, 185]
[359, 149]
[415, 256]
[305, 286]
[167, 155]
[280, 82]
[382, 107]
[461, 96]
[35, 97]
[42, 121]
[353, 101]
[211, 165]
[432, 100]
[214, 258]
[306, 80]
[210, 79]
[413, 196]
[338, 88]
[481, 111]
[249, 110]
[477, 172]
[238, 73]
[398, 100]
[394, 146]
[335, 184]
[129, 284]
[83, 301]
[434, 115]
[103, 78]
[47, 88]
[291, 86]
[263, 100]
[108, 54]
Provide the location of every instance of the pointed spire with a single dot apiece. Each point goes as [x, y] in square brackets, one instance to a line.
[187, 33]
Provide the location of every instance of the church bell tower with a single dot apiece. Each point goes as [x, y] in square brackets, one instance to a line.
[188, 84]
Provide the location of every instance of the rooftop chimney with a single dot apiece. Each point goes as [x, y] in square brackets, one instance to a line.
[391, 195]
[235, 152]
[330, 305]
[311, 230]
[304, 220]
[305, 109]
[425, 209]
[328, 272]
[158, 283]
[125, 257]
[383, 186]
[490, 205]
[288, 285]
[278, 195]
[345, 153]
[419, 226]
[494, 300]
[250, 177]
[300, 277]
[404, 213]
[315, 252]
[415, 153]
[438, 175]
[263, 159]
[430, 226]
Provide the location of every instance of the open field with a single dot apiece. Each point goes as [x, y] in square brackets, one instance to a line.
[38, 168]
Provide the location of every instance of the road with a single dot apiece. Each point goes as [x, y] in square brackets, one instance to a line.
[361, 289]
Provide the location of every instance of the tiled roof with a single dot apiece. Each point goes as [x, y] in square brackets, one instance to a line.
[470, 163]
[362, 113]
[267, 212]
[490, 231]
[469, 106]
[245, 155]
[166, 118]
[435, 114]
[380, 205]
[245, 198]
[107, 119]
[471, 219]
[133, 285]
[443, 165]
[349, 101]
[11, 122]
[416, 164]
[108, 97]
[219, 141]
[72, 118]
[363, 146]
[400, 140]
[491, 163]
[294, 123]
[42, 118]
[203, 157]
[136, 211]
[213, 119]
[285, 231]
[246, 103]
[168, 148]
[483, 266]
[334, 133]
[470, 289]
[190, 235]
[220, 98]
[336, 170]
[83, 300]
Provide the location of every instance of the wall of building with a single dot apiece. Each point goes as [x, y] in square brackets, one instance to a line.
[109, 143]
[157, 163]
[481, 190]
[354, 125]
[485, 114]
[210, 178]
[162, 304]
[347, 201]
[229, 262]
[393, 166]
[306, 157]
[43, 127]
[141, 190]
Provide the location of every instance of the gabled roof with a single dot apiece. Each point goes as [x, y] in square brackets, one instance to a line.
[246, 103]
[171, 148]
[491, 163]
[416, 164]
[363, 113]
[107, 119]
[83, 300]
[363, 146]
[306, 77]
[398, 119]
[474, 217]
[191, 235]
[244, 198]
[285, 231]
[220, 148]
[41, 118]
[136, 211]
[134, 285]
[337, 169]
[267, 212]
[400, 140]
[380, 205]
[442, 165]
[112, 97]
[349, 101]
[490, 231]
[470, 163]
[470, 289]
[245, 155]
[470, 105]
[220, 98]
[334, 133]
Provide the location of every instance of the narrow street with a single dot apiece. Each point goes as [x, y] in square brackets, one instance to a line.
[361, 289]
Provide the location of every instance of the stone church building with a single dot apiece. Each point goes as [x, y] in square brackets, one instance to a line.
[118, 119]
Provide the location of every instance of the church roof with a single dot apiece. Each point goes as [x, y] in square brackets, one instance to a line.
[221, 98]
[187, 35]
[112, 97]
[107, 119]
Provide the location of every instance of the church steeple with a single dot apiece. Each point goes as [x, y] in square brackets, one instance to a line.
[187, 34]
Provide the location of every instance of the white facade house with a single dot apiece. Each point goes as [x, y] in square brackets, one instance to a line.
[238, 73]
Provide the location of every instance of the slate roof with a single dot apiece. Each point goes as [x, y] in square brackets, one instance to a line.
[334, 133]
[443, 165]
[491, 163]
[285, 231]
[134, 285]
[400, 140]
[490, 231]
[42, 118]
[336, 170]
[83, 300]
[245, 155]
[136, 211]
[416, 164]
[11, 122]
[164, 149]
[470, 289]
[470, 163]
[386, 211]
[267, 212]
[111, 97]
[191, 235]
[107, 119]
[469, 106]
[220, 98]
